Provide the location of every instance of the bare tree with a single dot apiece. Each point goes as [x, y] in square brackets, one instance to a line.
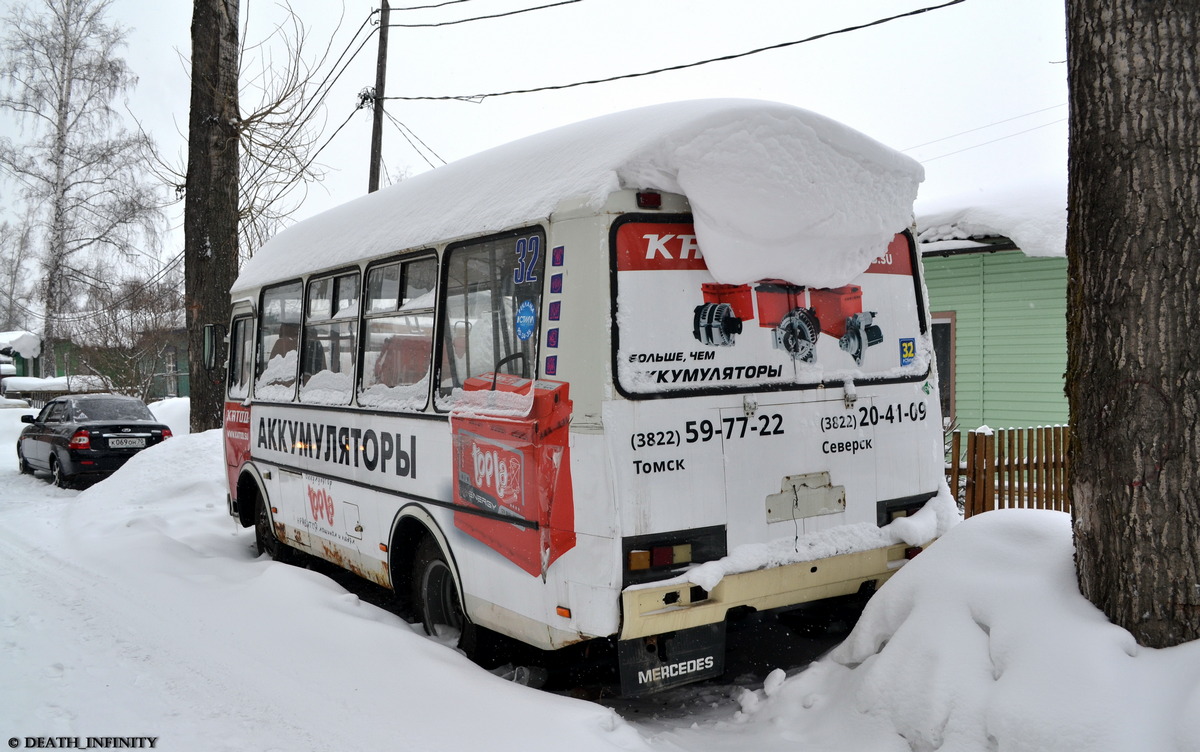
[15, 290]
[83, 177]
[1133, 368]
[211, 201]
[282, 84]
[285, 84]
[246, 171]
[132, 334]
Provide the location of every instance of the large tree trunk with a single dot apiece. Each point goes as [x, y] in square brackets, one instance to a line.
[1133, 367]
[211, 205]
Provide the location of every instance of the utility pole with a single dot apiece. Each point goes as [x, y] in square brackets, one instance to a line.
[380, 77]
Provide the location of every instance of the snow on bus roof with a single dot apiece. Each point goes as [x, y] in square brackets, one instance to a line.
[776, 192]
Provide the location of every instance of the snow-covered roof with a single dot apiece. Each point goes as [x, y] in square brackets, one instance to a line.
[58, 384]
[1033, 215]
[25, 344]
[776, 191]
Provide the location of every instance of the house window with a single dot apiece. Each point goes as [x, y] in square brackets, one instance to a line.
[943, 350]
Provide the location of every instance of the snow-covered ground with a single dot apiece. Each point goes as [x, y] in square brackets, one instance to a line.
[137, 608]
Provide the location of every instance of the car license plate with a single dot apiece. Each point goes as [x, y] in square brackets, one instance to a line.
[124, 443]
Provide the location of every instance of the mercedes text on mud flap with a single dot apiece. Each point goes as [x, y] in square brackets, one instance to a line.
[562, 428]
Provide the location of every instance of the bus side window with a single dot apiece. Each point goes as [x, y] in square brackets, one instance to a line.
[398, 338]
[278, 343]
[493, 306]
[330, 345]
[241, 359]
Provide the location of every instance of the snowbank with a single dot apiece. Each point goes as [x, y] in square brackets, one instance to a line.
[56, 384]
[139, 607]
[176, 412]
[776, 191]
[983, 642]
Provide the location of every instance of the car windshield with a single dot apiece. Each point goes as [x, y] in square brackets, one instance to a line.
[110, 409]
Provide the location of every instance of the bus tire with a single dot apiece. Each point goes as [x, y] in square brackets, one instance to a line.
[264, 534]
[438, 605]
[435, 593]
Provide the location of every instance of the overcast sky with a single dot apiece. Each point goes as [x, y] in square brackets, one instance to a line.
[976, 91]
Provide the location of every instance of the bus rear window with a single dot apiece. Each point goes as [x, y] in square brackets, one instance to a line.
[679, 331]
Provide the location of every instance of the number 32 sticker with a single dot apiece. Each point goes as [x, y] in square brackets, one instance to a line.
[908, 351]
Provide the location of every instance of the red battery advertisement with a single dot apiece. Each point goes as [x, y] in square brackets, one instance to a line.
[512, 472]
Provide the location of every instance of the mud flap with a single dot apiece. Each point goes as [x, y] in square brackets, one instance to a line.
[652, 664]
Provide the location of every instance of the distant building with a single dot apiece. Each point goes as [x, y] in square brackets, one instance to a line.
[19, 351]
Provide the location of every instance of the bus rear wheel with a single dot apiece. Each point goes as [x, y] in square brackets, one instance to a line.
[435, 594]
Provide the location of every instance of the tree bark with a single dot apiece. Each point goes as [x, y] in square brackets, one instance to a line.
[211, 202]
[1133, 366]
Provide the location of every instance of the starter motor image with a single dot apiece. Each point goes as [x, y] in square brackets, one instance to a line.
[796, 315]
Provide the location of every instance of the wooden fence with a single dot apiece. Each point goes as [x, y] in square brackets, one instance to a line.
[1023, 468]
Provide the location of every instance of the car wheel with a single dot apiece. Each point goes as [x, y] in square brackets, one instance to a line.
[24, 466]
[60, 478]
[264, 535]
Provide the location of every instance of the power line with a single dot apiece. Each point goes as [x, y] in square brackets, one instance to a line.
[349, 44]
[427, 7]
[479, 18]
[983, 127]
[406, 132]
[317, 153]
[480, 97]
[994, 140]
[115, 305]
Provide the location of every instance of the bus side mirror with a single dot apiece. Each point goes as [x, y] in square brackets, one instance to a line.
[213, 334]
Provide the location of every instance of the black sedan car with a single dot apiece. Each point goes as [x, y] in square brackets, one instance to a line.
[86, 437]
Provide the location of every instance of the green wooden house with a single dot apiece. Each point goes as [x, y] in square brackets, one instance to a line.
[999, 312]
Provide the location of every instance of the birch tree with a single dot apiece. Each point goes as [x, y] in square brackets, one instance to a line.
[1133, 367]
[81, 174]
[15, 255]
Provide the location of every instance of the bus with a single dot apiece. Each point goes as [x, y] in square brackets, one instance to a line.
[593, 387]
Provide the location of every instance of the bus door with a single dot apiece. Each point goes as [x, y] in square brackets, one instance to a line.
[237, 405]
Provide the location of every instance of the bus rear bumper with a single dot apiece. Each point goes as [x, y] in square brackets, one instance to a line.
[658, 609]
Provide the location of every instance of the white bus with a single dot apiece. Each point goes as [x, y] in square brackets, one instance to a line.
[604, 384]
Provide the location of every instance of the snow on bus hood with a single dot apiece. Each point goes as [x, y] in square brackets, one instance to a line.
[776, 192]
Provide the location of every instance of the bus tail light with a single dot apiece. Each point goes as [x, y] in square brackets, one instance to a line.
[660, 556]
[652, 557]
[649, 200]
[81, 440]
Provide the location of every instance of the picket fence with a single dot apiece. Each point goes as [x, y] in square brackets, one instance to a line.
[1022, 468]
